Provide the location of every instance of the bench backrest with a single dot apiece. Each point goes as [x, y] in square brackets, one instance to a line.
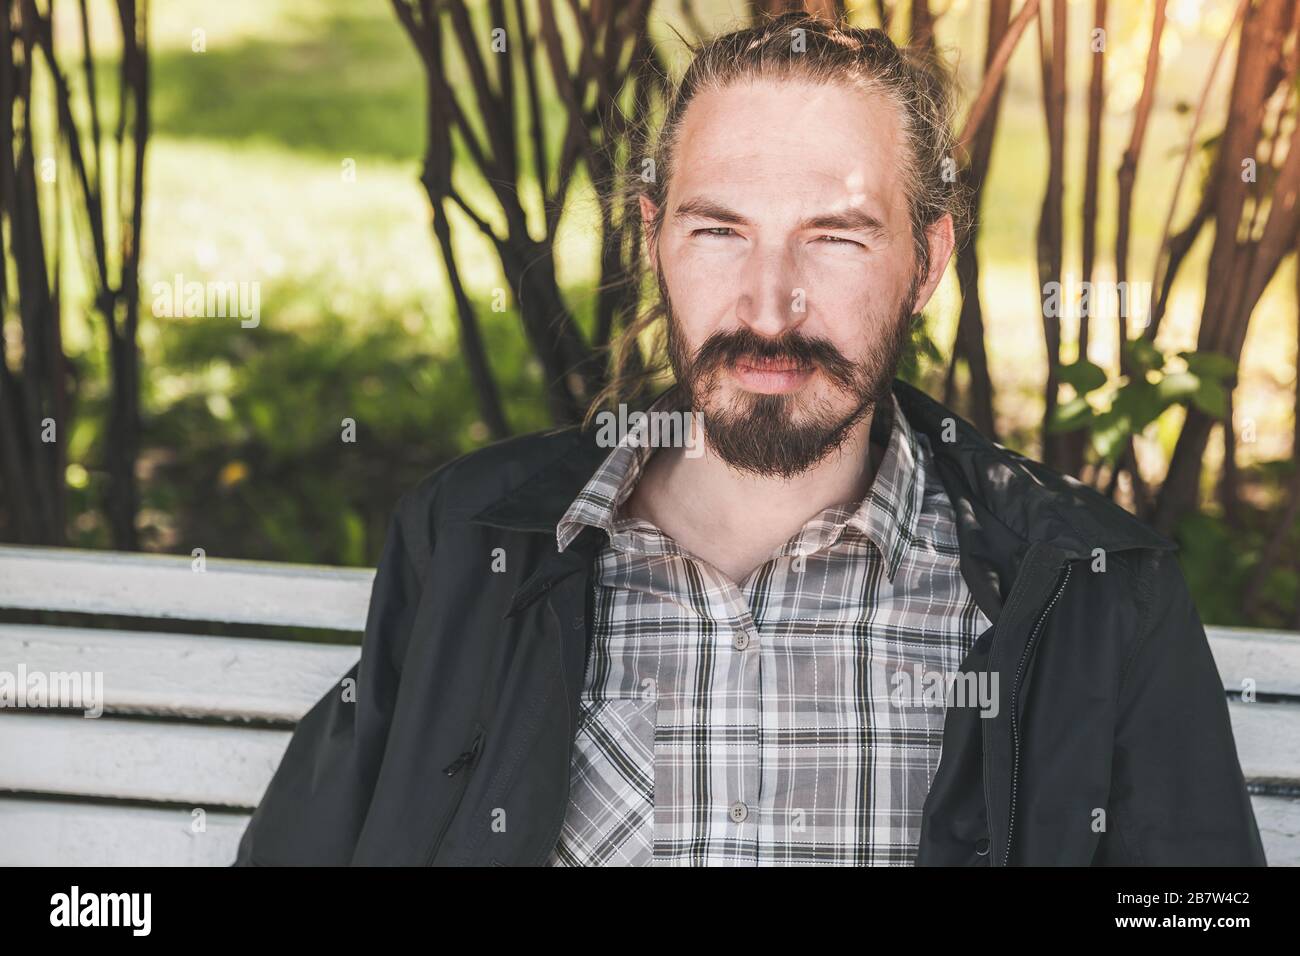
[194, 725]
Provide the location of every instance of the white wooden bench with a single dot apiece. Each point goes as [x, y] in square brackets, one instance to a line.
[194, 725]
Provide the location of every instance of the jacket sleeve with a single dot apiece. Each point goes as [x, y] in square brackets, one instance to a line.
[1178, 796]
[314, 807]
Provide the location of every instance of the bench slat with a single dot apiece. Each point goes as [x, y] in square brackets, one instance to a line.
[206, 766]
[65, 833]
[184, 674]
[268, 592]
[47, 833]
[1279, 828]
[215, 676]
[231, 766]
[166, 586]
[1270, 658]
[1268, 740]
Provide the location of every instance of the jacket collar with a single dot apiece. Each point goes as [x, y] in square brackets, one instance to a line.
[1034, 503]
[538, 503]
[1002, 497]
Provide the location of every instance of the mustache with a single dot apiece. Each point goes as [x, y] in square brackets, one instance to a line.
[731, 347]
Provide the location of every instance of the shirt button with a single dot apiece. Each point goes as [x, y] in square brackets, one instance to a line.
[740, 641]
[738, 812]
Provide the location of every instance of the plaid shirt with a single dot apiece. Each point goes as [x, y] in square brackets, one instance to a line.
[767, 723]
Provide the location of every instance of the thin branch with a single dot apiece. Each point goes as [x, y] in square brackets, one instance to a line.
[1128, 173]
[1188, 151]
[993, 75]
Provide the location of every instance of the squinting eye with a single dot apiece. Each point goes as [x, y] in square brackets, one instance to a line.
[714, 231]
[838, 240]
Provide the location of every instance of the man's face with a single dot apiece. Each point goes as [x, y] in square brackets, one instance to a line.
[786, 261]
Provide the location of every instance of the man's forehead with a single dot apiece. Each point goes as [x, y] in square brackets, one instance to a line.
[823, 143]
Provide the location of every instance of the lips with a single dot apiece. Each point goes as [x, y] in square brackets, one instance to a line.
[771, 377]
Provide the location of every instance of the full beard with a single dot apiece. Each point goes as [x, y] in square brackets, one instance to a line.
[783, 435]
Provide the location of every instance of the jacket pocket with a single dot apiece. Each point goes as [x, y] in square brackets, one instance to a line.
[461, 769]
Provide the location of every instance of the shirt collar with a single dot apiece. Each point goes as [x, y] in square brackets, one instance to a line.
[888, 515]
[611, 484]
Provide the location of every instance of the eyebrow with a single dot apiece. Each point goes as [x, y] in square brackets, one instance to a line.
[847, 220]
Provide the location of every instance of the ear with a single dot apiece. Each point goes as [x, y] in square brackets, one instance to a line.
[648, 213]
[941, 241]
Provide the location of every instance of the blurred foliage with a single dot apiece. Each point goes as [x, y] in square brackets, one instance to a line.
[1220, 559]
[1132, 403]
[246, 431]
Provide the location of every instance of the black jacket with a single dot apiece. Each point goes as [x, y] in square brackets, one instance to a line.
[1111, 743]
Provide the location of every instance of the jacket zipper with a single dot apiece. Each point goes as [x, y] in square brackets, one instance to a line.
[1015, 707]
[465, 761]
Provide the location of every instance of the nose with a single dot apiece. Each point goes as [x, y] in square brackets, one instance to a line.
[771, 300]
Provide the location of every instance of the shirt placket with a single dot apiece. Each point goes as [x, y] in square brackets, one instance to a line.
[735, 706]
[726, 713]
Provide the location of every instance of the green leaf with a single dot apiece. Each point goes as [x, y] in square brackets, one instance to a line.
[1211, 398]
[1209, 364]
[1083, 376]
[1177, 387]
[1110, 430]
[1143, 354]
[1071, 416]
[1140, 402]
